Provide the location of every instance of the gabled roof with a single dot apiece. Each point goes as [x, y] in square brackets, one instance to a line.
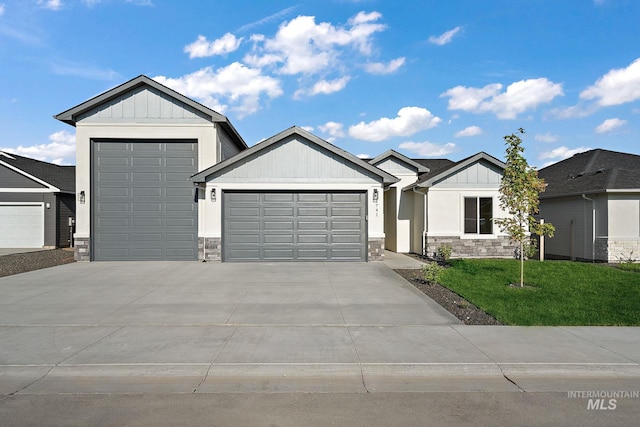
[420, 168]
[71, 115]
[295, 130]
[57, 178]
[593, 171]
[427, 180]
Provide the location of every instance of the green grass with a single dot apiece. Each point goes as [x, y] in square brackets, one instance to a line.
[557, 292]
[629, 266]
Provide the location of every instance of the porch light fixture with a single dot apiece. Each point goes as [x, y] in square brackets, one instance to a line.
[213, 194]
[375, 194]
[81, 197]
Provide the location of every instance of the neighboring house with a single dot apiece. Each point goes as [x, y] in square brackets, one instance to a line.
[160, 176]
[36, 201]
[593, 201]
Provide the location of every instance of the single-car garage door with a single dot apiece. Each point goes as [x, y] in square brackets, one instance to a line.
[294, 226]
[144, 205]
[21, 226]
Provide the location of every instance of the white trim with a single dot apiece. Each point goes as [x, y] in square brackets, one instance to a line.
[38, 180]
[30, 190]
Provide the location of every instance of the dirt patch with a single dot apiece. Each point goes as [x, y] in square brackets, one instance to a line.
[468, 313]
[29, 261]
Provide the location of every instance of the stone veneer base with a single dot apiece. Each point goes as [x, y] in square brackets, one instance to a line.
[209, 249]
[498, 247]
[375, 249]
[81, 250]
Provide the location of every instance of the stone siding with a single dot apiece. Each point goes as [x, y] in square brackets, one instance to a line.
[376, 249]
[621, 250]
[500, 247]
[81, 249]
[209, 249]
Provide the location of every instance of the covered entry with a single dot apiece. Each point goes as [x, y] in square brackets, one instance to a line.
[294, 226]
[143, 205]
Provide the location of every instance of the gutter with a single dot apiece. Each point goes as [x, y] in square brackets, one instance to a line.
[593, 231]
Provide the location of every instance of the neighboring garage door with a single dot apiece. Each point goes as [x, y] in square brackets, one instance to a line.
[294, 226]
[21, 226]
[144, 205]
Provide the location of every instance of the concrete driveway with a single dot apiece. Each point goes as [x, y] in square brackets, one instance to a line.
[208, 327]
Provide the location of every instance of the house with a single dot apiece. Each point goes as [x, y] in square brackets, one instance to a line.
[440, 202]
[37, 200]
[162, 177]
[593, 201]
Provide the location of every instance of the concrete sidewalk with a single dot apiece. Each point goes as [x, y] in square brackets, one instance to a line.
[183, 327]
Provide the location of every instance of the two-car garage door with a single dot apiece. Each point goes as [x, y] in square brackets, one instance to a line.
[294, 226]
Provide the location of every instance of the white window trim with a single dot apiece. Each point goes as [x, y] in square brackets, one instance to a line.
[478, 235]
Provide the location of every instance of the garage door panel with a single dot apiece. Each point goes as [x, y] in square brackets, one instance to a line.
[21, 226]
[289, 226]
[141, 209]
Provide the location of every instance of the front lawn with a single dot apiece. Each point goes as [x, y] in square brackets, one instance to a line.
[557, 292]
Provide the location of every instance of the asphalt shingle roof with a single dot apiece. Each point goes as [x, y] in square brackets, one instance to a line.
[592, 172]
[62, 177]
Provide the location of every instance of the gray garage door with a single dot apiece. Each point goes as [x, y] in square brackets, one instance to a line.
[294, 226]
[143, 202]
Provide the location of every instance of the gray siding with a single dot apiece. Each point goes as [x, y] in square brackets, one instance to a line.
[12, 179]
[395, 166]
[572, 219]
[66, 208]
[144, 104]
[293, 160]
[479, 174]
[228, 146]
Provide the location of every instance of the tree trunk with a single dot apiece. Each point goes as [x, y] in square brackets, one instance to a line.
[521, 264]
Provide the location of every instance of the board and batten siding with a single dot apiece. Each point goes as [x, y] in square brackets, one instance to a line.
[143, 103]
[395, 167]
[294, 160]
[228, 148]
[479, 174]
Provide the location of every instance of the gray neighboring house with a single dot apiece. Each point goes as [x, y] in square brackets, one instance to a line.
[593, 200]
[36, 201]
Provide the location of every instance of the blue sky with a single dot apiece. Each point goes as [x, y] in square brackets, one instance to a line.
[426, 78]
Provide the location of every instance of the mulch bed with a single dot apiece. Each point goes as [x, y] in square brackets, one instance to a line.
[29, 261]
[468, 313]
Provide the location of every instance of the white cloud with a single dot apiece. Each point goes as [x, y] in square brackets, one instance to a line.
[469, 131]
[547, 137]
[307, 128]
[201, 48]
[519, 97]
[266, 20]
[333, 129]
[561, 153]
[304, 47]
[382, 68]
[445, 38]
[324, 87]
[616, 87]
[236, 84]
[410, 120]
[428, 149]
[2, 9]
[609, 125]
[363, 156]
[51, 4]
[60, 150]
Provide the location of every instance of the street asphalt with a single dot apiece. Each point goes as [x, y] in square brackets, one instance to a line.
[192, 327]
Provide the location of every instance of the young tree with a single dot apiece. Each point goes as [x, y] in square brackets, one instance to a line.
[519, 191]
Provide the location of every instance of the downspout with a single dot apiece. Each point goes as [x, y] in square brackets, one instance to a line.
[593, 231]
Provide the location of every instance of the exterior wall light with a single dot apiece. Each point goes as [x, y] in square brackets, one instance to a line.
[81, 197]
[375, 194]
[213, 194]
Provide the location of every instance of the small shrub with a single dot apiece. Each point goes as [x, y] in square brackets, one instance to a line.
[443, 253]
[627, 259]
[530, 249]
[431, 272]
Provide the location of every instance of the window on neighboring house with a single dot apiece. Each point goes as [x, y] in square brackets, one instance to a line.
[478, 214]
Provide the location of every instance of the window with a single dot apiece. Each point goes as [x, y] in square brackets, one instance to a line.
[478, 215]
